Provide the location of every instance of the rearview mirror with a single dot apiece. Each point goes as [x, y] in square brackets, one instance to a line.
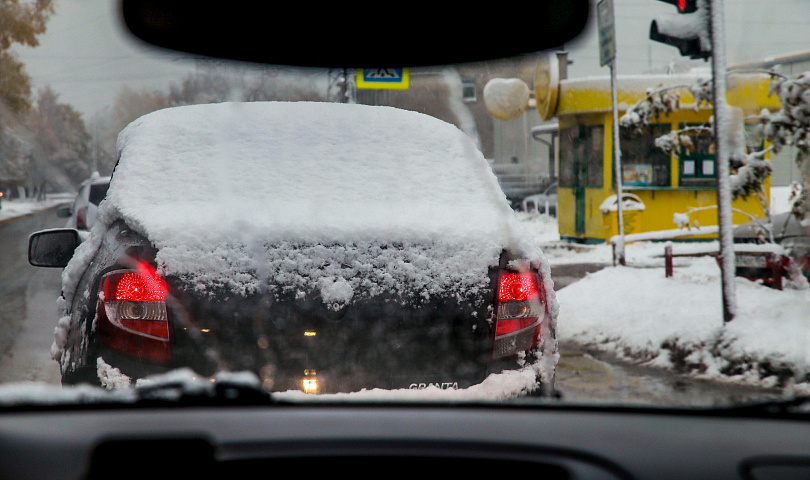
[316, 37]
[52, 248]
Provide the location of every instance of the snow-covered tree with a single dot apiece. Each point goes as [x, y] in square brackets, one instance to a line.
[58, 141]
[748, 169]
[790, 125]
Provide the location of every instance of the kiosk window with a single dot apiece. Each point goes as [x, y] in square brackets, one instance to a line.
[644, 164]
[697, 164]
[582, 156]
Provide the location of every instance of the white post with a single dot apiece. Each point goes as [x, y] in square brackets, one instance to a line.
[721, 123]
[619, 257]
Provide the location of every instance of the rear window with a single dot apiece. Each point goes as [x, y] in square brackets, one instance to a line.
[97, 192]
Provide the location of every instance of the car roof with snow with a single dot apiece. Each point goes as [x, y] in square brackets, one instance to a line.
[304, 171]
[212, 186]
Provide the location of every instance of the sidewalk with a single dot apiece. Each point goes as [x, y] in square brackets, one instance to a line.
[11, 209]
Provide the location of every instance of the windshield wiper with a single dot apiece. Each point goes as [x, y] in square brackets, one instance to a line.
[221, 392]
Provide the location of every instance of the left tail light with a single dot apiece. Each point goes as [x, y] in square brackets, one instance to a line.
[520, 312]
[133, 314]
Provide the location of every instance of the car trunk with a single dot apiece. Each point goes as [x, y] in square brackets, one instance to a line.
[373, 341]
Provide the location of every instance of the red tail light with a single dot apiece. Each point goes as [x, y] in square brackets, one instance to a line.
[133, 313]
[520, 312]
[81, 218]
[517, 287]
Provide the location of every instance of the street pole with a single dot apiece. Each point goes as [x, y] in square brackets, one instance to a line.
[617, 155]
[607, 56]
[341, 86]
[721, 125]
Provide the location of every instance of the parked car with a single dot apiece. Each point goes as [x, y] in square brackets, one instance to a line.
[789, 253]
[207, 256]
[545, 202]
[82, 214]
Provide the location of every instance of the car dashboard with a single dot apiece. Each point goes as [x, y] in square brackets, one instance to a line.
[369, 441]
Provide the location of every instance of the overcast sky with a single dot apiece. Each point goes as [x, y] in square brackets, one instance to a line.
[86, 58]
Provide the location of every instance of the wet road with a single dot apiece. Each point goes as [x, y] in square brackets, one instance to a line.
[28, 303]
[590, 377]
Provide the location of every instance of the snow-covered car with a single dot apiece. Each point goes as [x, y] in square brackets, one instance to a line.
[545, 202]
[82, 214]
[305, 242]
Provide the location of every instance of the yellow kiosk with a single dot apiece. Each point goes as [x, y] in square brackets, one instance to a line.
[656, 185]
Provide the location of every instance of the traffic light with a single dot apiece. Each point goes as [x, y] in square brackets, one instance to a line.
[688, 30]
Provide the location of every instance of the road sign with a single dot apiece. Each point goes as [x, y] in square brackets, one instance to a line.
[383, 78]
[607, 32]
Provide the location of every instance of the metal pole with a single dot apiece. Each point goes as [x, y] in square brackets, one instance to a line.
[721, 121]
[617, 156]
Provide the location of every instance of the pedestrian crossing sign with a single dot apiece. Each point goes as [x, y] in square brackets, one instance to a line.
[383, 78]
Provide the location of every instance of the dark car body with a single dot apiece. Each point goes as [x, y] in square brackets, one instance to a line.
[279, 308]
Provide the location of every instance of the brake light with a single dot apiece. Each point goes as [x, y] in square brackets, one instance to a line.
[133, 313]
[517, 287]
[81, 218]
[519, 314]
[141, 286]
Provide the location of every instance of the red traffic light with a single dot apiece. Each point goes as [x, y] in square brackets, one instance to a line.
[684, 6]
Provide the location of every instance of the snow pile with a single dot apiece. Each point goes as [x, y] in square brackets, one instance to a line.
[677, 322]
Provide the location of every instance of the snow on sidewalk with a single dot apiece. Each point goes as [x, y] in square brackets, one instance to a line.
[676, 323]
[17, 208]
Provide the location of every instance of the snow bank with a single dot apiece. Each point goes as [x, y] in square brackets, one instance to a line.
[677, 322]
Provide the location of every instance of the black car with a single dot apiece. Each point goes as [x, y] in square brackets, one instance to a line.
[374, 279]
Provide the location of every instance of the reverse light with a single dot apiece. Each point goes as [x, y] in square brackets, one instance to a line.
[519, 314]
[310, 385]
[133, 313]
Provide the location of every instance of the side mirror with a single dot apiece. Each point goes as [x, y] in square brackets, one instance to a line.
[64, 212]
[52, 248]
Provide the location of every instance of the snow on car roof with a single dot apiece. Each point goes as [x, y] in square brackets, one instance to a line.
[304, 171]
[208, 183]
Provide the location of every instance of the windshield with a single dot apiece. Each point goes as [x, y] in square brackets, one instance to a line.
[487, 231]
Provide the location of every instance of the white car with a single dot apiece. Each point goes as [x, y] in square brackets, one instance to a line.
[83, 211]
[545, 202]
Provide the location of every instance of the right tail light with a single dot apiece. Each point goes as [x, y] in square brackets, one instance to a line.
[520, 312]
